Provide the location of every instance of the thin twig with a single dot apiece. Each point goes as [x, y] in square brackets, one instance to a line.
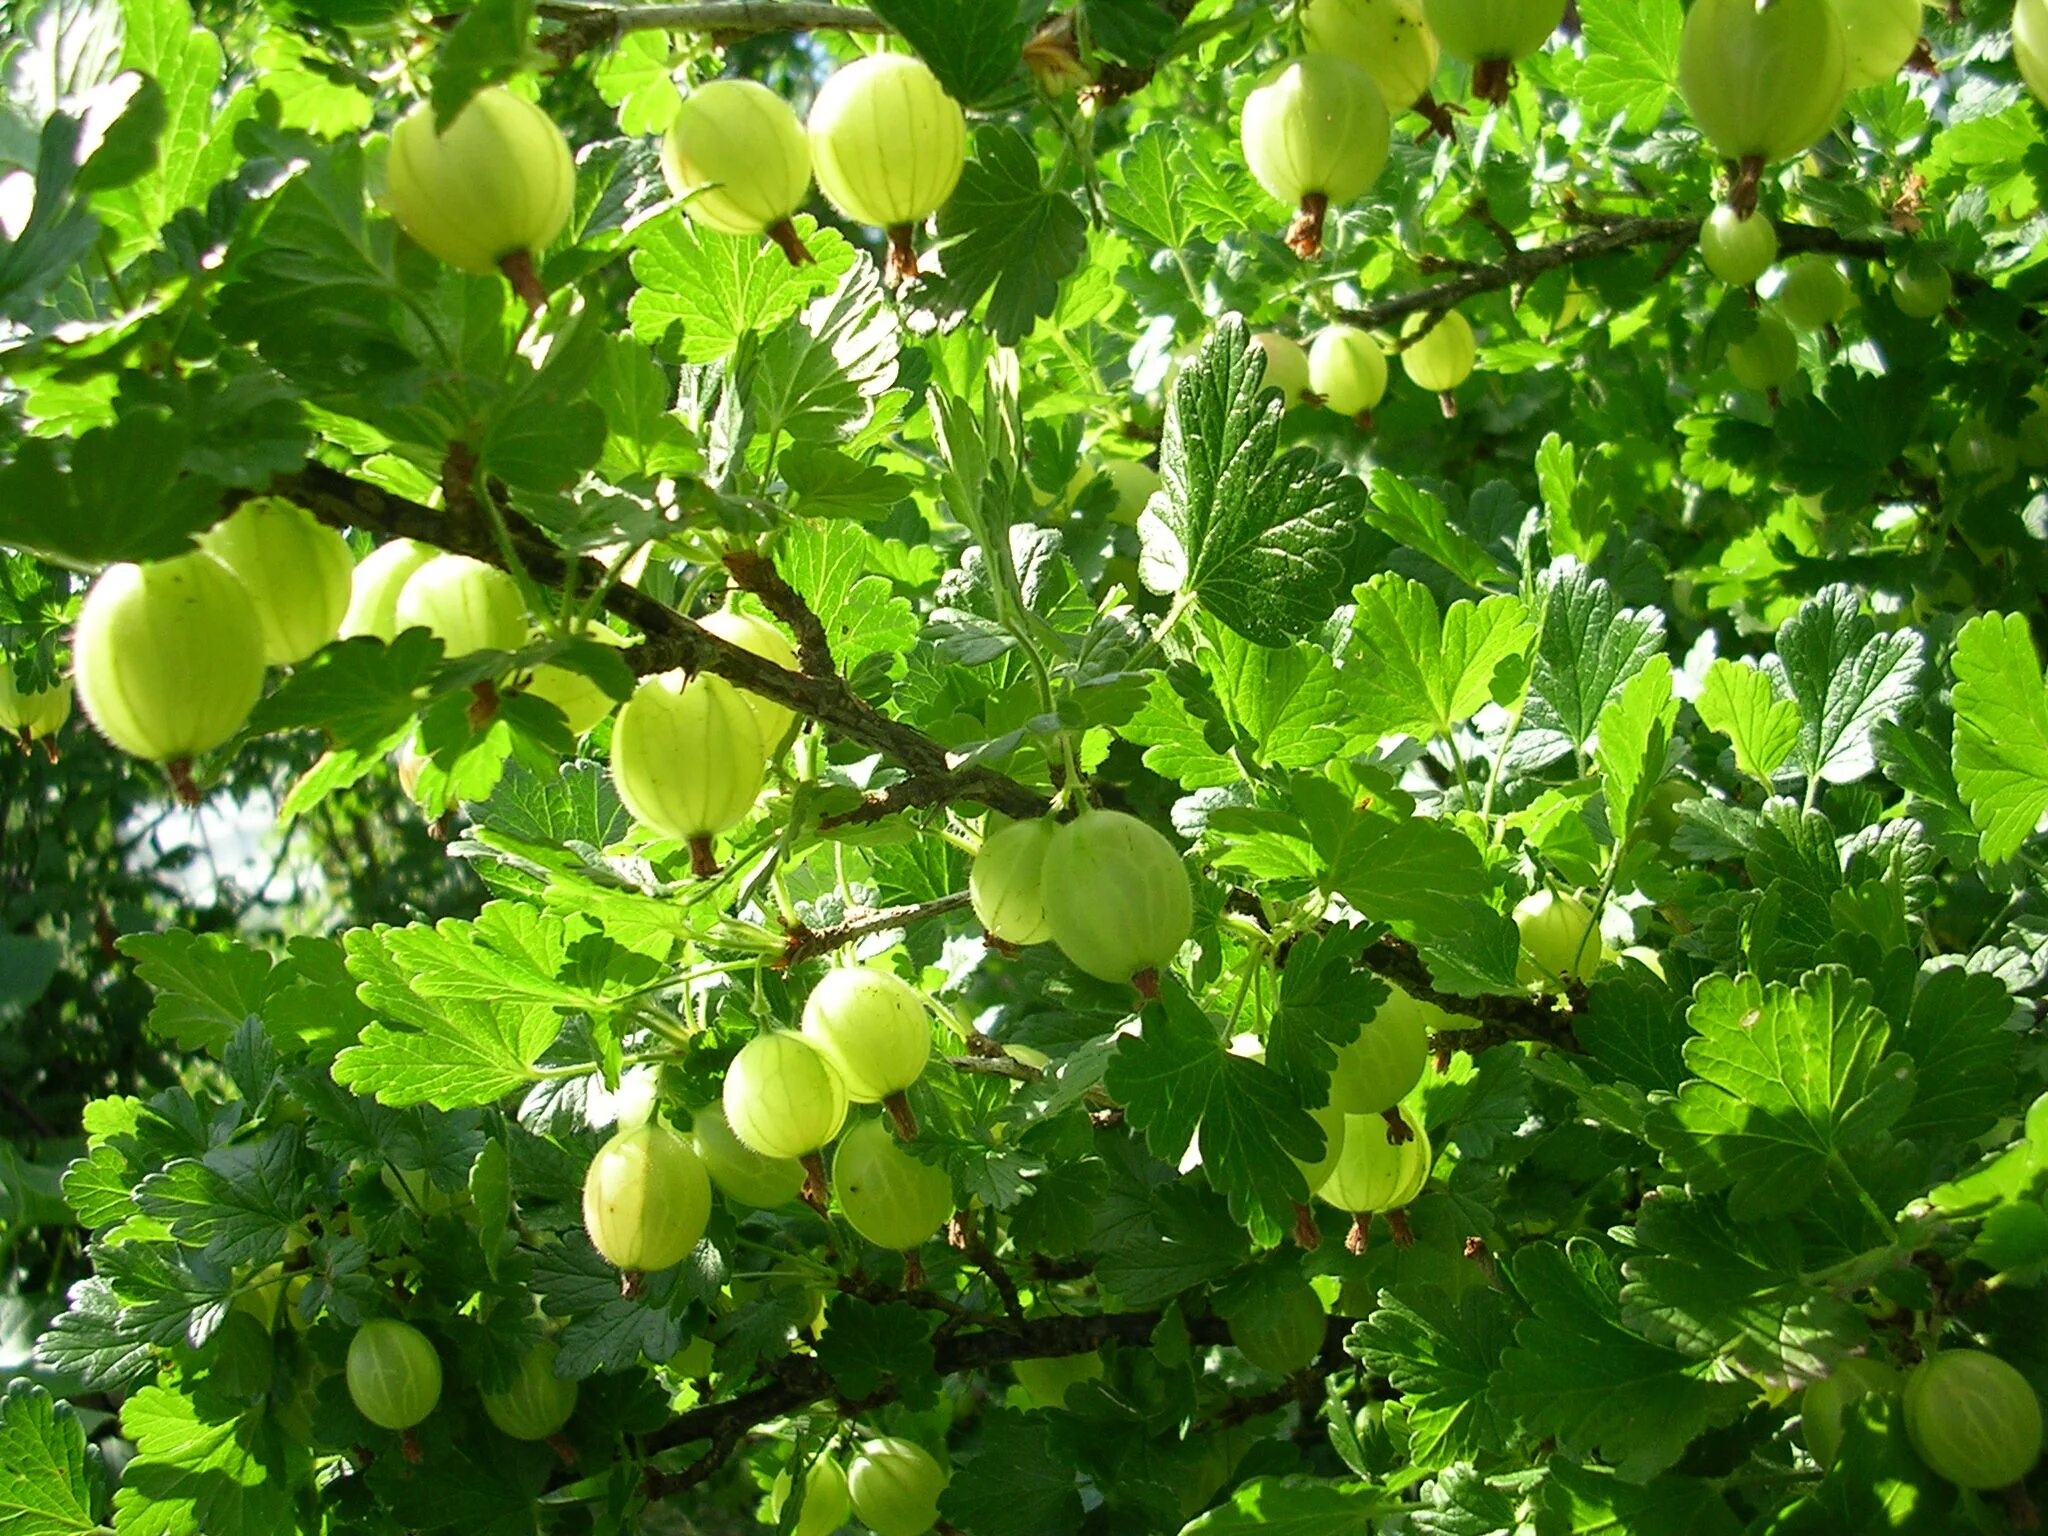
[809, 943]
[586, 26]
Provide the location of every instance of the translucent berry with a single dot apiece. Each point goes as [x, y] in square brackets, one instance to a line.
[873, 1028]
[1974, 1419]
[1767, 358]
[1314, 133]
[1286, 366]
[1376, 1174]
[1007, 878]
[1814, 294]
[782, 1097]
[895, 1487]
[1880, 36]
[538, 1402]
[1388, 39]
[1440, 358]
[1738, 250]
[1762, 82]
[1491, 35]
[825, 1505]
[1922, 288]
[295, 569]
[168, 657]
[32, 713]
[394, 1375]
[465, 604]
[2030, 45]
[1347, 370]
[688, 760]
[740, 162]
[758, 637]
[374, 587]
[1280, 1330]
[888, 1196]
[1117, 897]
[646, 1199]
[888, 145]
[737, 1170]
[1375, 1071]
[1560, 939]
[1047, 1382]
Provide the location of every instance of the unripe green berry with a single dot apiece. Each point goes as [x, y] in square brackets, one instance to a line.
[168, 657]
[1440, 358]
[1560, 939]
[783, 1098]
[873, 1028]
[1973, 1419]
[646, 1199]
[1738, 250]
[374, 587]
[1286, 366]
[1823, 1404]
[1006, 881]
[2030, 45]
[538, 1402]
[1922, 288]
[1375, 1071]
[895, 1487]
[888, 145]
[888, 1196]
[1767, 358]
[1880, 36]
[34, 713]
[1491, 34]
[1762, 82]
[737, 1170]
[1376, 1174]
[1388, 39]
[494, 183]
[1117, 897]
[295, 569]
[1348, 370]
[826, 1505]
[688, 760]
[1814, 294]
[394, 1375]
[1314, 133]
[757, 636]
[1281, 1332]
[740, 161]
[466, 605]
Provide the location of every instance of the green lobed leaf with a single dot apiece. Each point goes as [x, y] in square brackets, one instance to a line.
[51, 1482]
[2001, 732]
[1410, 670]
[1846, 678]
[1742, 702]
[1007, 235]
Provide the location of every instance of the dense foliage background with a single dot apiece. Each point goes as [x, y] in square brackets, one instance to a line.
[1752, 672]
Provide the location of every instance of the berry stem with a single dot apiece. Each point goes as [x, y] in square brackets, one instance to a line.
[901, 266]
[784, 234]
[409, 1446]
[1450, 404]
[525, 281]
[1307, 1235]
[1404, 1235]
[703, 858]
[1745, 177]
[180, 771]
[1438, 115]
[559, 1444]
[1305, 234]
[1147, 983]
[632, 1284]
[913, 1269]
[902, 1115]
[816, 1190]
[1363, 421]
[1398, 1132]
[1360, 1235]
[1492, 79]
[483, 707]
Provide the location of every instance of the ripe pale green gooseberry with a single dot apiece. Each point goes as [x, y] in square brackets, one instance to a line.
[1281, 1331]
[1006, 881]
[581, 699]
[1814, 294]
[1879, 35]
[374, 587]
[872, 1026]
[885, 1194]
[825, 1505]
[1767, 358]
[168, 657]
[1287, 367]
[487, 191]
[1375, 1173]
[739, 1172]
[1117, 897]
[1314, 133]
[888, 145]
[1824, 1402]
[2030, 45]
[1922, 288]
[538, 1402]
[1439, 356]
[740, 162]
[31, 713]
[1491, 35]
[782, 1097]
[758, 637]
[895, 1486]
[465, 604]
[1134, 481]
[688, 759]
[1330, 1120]
[295, 569]
[1973, 1418]
[394, 1375]
[1762, 83]
[1374, 1072]
[646, 1199]
[1388, 39]
[1560, 939]
[1977, 453]
[1047, 1382]
[1738, 250]
[1348, 370]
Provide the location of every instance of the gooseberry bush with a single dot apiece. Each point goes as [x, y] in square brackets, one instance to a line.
[1215, 764]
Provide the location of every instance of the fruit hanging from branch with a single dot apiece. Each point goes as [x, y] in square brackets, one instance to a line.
[1347, 370]
[1823, 1404]
[895, 1486]
[757, 637]
[1560, 934]
[740, 163]
[393, 1374]
[687, 759]
[1006, 882]
[1814, 294]
[886, 1195]
[486, 192]
[1879, 37]
[538, 1402]
[295, 569]
[1973, 1418]
[1388, 39]
[31, 714]
[375, 584]
[1374, 1071]
[1117, 898]
[1736, 249]
[1762, 82]
[872, 1026]
[1922, 287]
[646, 1200]
[1491, 35]
[168, 659]
[1380, 1170]
[739, 1172]
[1767, 359]
[825, 1506]
[888, 146]
[783, 1098]
[1314, 133]
[1439, 354]
[1287, 367]
[2030, 45]
[465, 604]
[1281, 1332]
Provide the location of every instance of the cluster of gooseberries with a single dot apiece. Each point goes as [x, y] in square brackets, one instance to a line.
[1344, 367]
[491, 187]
